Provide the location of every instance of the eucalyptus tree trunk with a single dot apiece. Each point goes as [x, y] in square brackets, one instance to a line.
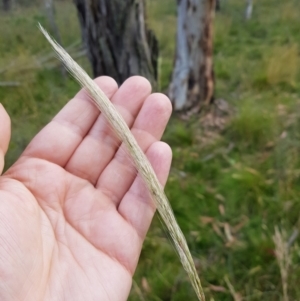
[249, 9]
[50, 11]
[6, 5]
[192, 84]
[117, 39]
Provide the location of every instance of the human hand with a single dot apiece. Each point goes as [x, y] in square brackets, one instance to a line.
[73, 212]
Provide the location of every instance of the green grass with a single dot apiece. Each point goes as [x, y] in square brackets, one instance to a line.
[247, 180]
[42, 91]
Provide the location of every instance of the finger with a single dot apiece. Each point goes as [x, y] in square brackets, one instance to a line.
[100, 145]
[60, 138]
[5, 131]
[137, 207]
[148, 128]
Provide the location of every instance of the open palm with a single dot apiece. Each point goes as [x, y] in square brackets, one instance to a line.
[73, 212]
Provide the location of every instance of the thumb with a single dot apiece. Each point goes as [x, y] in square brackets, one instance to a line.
[4, 135]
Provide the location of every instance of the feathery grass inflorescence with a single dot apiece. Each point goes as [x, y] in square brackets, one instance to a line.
[140, 160]
[284, 259]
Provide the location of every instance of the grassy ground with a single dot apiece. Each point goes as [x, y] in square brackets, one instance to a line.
[228, 193]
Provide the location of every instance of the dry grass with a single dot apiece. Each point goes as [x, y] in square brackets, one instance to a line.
[140, 160]
[236, 296]
[283, 64]
[289, 13]
[283, 259]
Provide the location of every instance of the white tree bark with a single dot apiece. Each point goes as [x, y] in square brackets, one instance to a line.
[50, 11]
[249, 9]
[192, 81]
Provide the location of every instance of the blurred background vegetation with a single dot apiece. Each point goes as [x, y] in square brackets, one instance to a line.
[233, 179]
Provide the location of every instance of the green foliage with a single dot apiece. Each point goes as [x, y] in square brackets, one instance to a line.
[254, 125]
[253, 187]
[180, 133]
[42, 91]
[229, 195]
